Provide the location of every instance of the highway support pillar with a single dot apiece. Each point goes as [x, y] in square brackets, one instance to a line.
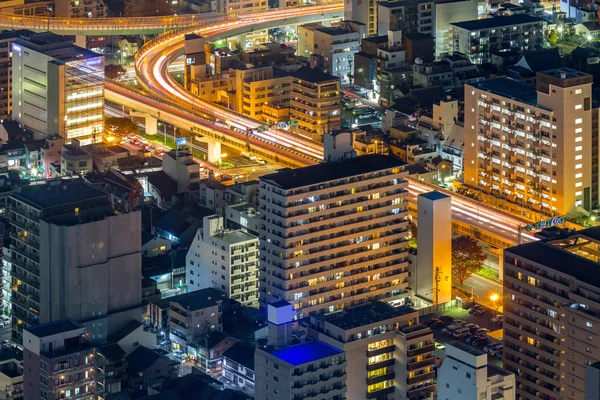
[213, 149]
[81, 41]
[151, 124]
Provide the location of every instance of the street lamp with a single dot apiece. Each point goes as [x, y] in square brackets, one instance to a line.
[494, 297]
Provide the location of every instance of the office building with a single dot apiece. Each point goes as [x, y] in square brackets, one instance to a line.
[334, 234]
[7, 38]
[446, 13]
[59, 362]
[237, 7]
[193, 314]
[80, 9]
[465, 373]
[316, 102]
[58, 88]
[479, 38]
[408, 16]
[334, 46]
[73, 256]
[388, 354]
[308, 369]
[149, 8]
[433, 275]
[552, 314]
[257, 89]
[531, 146]
[223, 259]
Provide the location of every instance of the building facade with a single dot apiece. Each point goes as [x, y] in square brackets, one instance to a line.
[479, 38]
[334, 234]
[226, 260]
[408, 16]
[552, 311]
[531, 146]
[73, 256]
[466, 374]
[315, 102]
[58, 88]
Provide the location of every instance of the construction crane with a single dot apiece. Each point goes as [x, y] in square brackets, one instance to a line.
[134, 190]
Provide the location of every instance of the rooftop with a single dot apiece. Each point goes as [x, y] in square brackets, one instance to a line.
[435, 195]
[125, 331]
[366, 314]
[199, 299]
[551, 256]
[235, 237]
[325, 172]
[401, 3]
[242, 354]
[54, 328]
[313, 75]
[51, 195]
[306, 352]
[111, 352]
[496, 22]
[466, 348]
[509, 88]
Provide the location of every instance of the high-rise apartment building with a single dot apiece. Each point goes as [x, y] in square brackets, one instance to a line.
[552, 314]
[447, 12]
[224, 259]
[316, 102]
[465, 373]
[6, 40]
[73, 256]
[531, 146]
[334, 235]
[242, 6]
[58, 362]
[388, 354]
[408, 16]
[58, 88]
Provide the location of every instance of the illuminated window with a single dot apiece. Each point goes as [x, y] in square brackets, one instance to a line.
[578, 130]
[578, 184]
[375, 196]
[578, 121]
[578, 139]
[163, 247]
[578, 166]
[579, 175]
[578, 91]
[578, 193]
[578, 157]
[578, 106]
[530, 341]
[77, 211]
[578, 148]
[375, 246]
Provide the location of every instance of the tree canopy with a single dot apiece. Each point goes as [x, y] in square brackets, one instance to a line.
[114, 71]
[467, 257]
[120, 127]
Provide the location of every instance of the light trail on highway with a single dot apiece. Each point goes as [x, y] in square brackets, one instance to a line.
[153, 72]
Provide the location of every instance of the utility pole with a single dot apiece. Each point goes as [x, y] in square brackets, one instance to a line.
[437, 279]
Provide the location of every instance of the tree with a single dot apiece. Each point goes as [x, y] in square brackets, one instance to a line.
[467, 257]
[114, 71]
[120, 127]
[552, 37]
[412, 242]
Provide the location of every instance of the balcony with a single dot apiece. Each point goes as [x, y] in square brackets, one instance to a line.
[21, 264]
[25, 253]
[422, 391]
[420, 350]
[386, 363]
[381, 392]
[420, 378]
[382, 350]
[421, 364]
[381, 378]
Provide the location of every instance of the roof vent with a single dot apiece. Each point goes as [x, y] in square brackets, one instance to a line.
[563, 75]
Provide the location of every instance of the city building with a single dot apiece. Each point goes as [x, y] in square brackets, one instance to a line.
[51, 153]
[149, 8]
[80, 9]
[238, 366]
[223, 259]
[381, 66]
[74, 160]
[58, 88]
[73, 256]
[6, 40]
[179, 165]
[479, 38]
[433, 275]
[111, 370]
[315, 102]
[286, 371]
[334, 234]
[465, 373]
[446, 13]
[261, 87]
[209, 349]
[11, 373]
[237, 7]
[335, 46]
[531, 146]
[59, 362]
[193, 314]
[382, 360]
[552, 313]
[408, 16]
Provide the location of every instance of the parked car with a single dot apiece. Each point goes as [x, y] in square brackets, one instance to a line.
[471, 326]
[481, 331]
[490, 345]
[497, 318]
[459, 322]
[449, 330]
[500, 354]
[435, 323]
[447, 319]
[471, 339]
[466, 337]
[495, 349]
[480, 311]
[474, 308]
[458, 333]
[480, 340]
